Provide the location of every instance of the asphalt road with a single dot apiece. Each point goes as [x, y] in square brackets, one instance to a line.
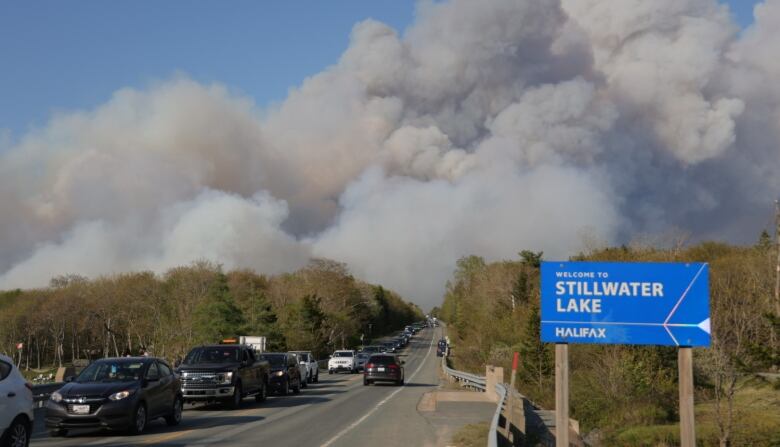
[338, 411]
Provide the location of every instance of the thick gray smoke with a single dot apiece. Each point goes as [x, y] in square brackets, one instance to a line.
[485, 128]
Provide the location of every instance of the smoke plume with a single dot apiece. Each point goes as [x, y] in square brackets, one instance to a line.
[484, 128]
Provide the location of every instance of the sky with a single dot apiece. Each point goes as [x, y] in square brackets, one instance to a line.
[63, 56]
[59, 56]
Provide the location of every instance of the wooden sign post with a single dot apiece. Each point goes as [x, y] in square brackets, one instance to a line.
[685, 367]
[561, 395]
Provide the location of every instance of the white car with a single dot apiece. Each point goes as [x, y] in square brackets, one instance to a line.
[16, 406]
[343, 360]
[310, 371]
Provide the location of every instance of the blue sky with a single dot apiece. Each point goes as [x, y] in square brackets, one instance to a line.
[60, 56]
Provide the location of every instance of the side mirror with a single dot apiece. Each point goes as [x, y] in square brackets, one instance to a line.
[69, 379]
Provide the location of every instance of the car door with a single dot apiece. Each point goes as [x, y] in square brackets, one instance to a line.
[250, 372]
[168, 383]
[154, 390]
[292, 368]
[6, 402]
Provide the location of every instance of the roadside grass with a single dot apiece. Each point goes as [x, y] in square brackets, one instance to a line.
[472, 435]
[756, 422]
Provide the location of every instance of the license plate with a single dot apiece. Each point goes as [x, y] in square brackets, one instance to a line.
[81, 409]
[380, 370]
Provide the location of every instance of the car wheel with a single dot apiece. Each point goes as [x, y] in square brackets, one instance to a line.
[309, 378]
[17, 435]
[297, 388]
[304, 382]
[58, 433]
[284, 389]
[174, 418]
[401, 382]
[262, 395]
[366, 382]
[235, 402]
[317, 377]
[140, 418]
[330, 371]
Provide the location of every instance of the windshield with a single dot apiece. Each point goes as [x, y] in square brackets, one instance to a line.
[112, 371]
[342, 354]
[217, 354]
[276, 360]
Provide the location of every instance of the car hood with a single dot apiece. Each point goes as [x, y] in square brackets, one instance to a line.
[102, 389]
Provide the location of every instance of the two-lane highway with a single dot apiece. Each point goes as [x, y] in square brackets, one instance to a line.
[338, 411]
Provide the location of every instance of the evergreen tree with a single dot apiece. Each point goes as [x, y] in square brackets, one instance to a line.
[217, 316]
[535, 355]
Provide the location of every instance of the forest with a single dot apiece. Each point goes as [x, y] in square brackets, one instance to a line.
[320, 308]
[628, 395]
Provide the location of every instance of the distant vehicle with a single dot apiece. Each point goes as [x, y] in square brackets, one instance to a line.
[16, 406]
[442, 349]
[360, 359]
[384, 368]
[343, 360]
[388, 346]
[309, 366]
[116, 393]
[224, 373]
[373, 349]
[285, 372]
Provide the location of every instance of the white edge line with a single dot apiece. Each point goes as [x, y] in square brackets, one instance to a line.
[382, 402]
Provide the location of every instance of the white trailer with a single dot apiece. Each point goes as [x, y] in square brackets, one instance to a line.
[256, 342]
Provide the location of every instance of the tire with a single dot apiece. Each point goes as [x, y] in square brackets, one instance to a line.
[140, 418]
[305, 382]
[285, 388]
[58, 433]
[174, 418]
[330, 371]
[297, 388]
[235, 402]
[366, 382]
[309, 379]
[17, 435]
[262, 395]
[400, 382]
[317, 377]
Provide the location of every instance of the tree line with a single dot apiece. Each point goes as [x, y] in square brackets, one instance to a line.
[321, 307]
[628, 395]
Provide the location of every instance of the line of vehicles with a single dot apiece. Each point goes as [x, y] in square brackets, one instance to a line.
[125, 393]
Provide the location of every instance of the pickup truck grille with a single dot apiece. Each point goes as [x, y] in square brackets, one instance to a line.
[201, 379]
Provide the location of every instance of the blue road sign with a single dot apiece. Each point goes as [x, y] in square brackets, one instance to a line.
[626, 303]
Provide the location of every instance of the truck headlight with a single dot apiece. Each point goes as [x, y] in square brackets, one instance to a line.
[56, 397]
[227, 378]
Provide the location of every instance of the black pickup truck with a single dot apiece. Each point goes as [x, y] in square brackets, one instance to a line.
[223, 373]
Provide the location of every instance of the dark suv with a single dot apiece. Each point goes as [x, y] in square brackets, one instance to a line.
[285, 372]
[116, 393]
[384, 368]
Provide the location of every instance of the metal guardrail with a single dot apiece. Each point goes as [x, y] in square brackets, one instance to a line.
[474, 381]
[501, 390]
[465, 379]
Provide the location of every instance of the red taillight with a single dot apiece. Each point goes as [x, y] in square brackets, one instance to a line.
[392, 366]
[28, 385]
[370, 365]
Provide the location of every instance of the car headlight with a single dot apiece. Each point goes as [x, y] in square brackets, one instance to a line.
[56, 397]
[227, 378]
[120, 395]
[279, 373]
